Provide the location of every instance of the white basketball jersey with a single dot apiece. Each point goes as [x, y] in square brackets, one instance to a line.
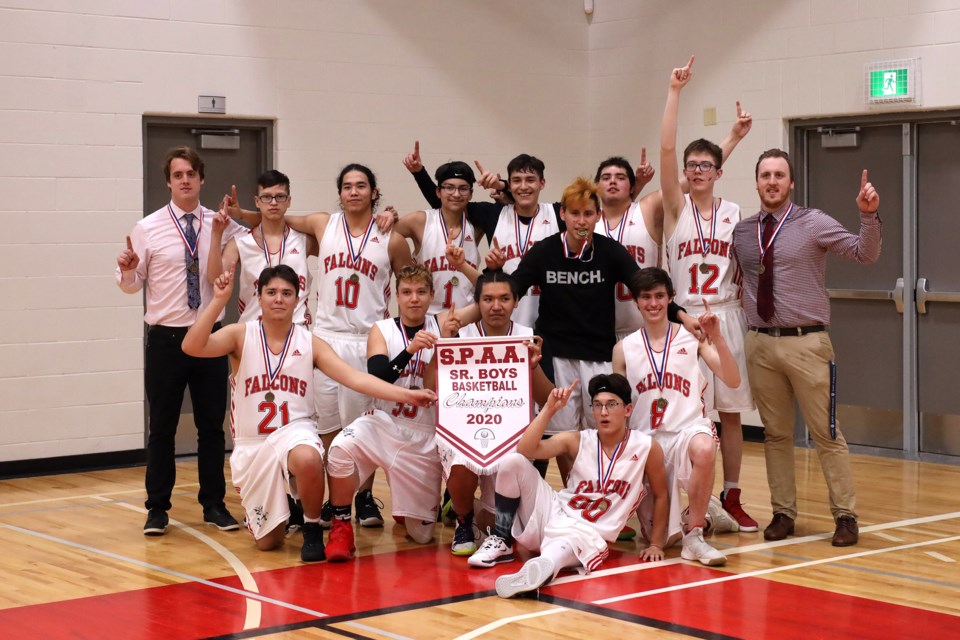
[607, 494]
[353, 278]
[633, 235]
[412, 376]
[474, 330]
[511, 234]
[293, 253]
[714, 276]
[449, 285]
[675, 401]
[261, 404]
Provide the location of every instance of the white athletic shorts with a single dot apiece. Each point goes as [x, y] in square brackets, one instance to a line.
[542, 519]
[405, 451]
[451, 457]
[259, 471]
[733, 326]
[678, 466]
[336, 404]
[578, 414]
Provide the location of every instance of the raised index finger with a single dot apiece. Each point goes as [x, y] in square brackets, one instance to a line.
[706, 305]
[479, 166]
[690, 64]
[416, 147]
[863, 180]
[739, 109]
[643, 155]
[129, 243]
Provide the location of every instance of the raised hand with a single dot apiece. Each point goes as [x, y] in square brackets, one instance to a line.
[386, 218]
[709, 322]
[559, 396]
[231, 205]
[681, 76]
[488, 179]
[128, 260]
[223, 286]
[535, 347]
[743, 123]
[495, 258]
[412, 160]
[455, 256]
[220, 222]
[692, 325]
[645, 172]
[868, 200]
[422, 340]
[451, 323]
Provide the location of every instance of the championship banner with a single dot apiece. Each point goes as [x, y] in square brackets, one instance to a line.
[483, 387]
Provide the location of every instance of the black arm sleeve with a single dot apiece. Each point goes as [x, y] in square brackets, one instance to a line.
[484, 216]
[556, 212]
[673, 312]
[387, 370]
[427, 188]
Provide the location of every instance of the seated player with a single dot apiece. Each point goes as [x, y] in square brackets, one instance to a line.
[661, 362]
[396, 436]
[277, 450]
[496, 298]
[613, 468]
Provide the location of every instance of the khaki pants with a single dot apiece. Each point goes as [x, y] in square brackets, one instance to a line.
[781, 370]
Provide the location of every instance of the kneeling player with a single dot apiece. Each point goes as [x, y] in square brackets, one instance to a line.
[661, 362]
[276, 446]
[613, 469]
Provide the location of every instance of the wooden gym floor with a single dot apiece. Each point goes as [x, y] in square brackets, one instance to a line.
[75, 565]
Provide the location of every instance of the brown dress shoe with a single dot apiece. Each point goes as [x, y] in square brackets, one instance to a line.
[779, 528]
[847, 533]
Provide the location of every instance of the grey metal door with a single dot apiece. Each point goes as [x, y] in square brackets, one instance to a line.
[866, 327]
[938, 287]
[223, 167]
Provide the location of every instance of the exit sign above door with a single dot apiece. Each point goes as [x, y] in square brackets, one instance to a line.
[892, 81]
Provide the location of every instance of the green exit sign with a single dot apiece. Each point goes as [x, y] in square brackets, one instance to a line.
[889, 83]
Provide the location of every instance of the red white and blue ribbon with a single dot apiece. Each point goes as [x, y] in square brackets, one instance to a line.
[763, 249]
[522, 242]
[658, 371]
[446, 229]
[355, 255]
[573, 254]
[604, 476]
[273, 371]
[191, 249]
[704, 242]
[283, 246]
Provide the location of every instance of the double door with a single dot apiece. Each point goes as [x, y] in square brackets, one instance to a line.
[894, 324]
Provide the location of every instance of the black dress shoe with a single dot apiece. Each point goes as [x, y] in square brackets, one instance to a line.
[220, 518]
[847, 533]
[157, 521]
[779, 528]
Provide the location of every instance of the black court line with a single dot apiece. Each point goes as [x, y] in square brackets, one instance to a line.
[599, 610]
[324, 623]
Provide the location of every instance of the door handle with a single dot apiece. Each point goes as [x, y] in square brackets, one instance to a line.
[896, 294]
[924, 296]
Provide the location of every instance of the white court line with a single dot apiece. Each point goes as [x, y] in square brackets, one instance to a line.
[87, 495]
[171, 572]
[887, 537]
[253, 615]
[939, 556]
[757, 547]
[388, 634]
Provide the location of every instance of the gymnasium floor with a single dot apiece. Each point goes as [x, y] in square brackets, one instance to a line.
[76, 565]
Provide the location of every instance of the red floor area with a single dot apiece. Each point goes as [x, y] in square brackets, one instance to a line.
[740, 608]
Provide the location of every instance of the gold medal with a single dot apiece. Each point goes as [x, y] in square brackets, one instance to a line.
[704, 267]
[193, 268]
[354, 278]
[761, 269]
[661, 404]
[269, 397]
[455, 281]
[414, 388]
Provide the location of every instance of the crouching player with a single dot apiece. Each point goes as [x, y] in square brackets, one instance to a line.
[613, 468]
[277, 450]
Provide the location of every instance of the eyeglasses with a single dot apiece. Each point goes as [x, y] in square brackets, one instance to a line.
[279, 198]
[703, 166]
[609, 406]
[451, 189]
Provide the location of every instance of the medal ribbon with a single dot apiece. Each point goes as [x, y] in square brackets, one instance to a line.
[406, 342]
[446, 230]
[522, 245]
[620, 227]
[570, 254]
[603, 477]
[191, 249]
[283, 246]
[704, 245]
[354, 255]
[483, 333]
[273, 372]
[763, 249]
[658, 372]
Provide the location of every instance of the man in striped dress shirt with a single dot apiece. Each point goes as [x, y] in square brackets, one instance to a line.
[788, 348]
